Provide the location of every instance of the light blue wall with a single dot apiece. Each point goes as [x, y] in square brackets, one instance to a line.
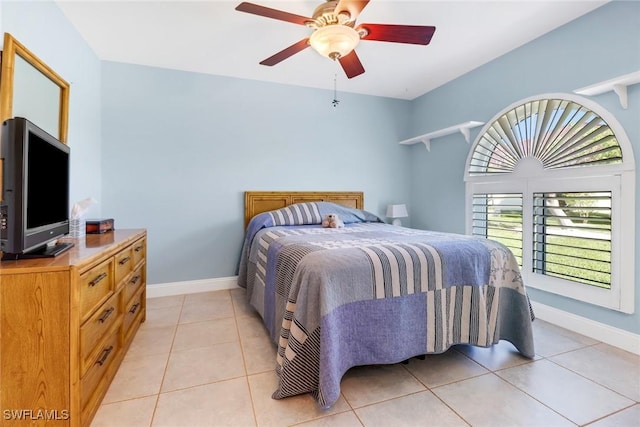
[46, 32]
[596, 47]
[180, 148]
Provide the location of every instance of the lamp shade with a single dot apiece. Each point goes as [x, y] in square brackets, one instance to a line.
[397, 211]
[334, 41]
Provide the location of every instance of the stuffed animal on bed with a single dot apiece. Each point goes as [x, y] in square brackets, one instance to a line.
[332, 221]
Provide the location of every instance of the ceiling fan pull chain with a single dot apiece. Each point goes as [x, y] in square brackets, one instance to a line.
[335, 101]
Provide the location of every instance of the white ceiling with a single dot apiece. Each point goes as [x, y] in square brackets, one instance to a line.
[212, 37]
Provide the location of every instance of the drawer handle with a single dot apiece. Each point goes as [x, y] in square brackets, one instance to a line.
[106, 314]
[135, 279]
[139, 248]
[97, 279]
[105, 355]
[134, 308]
[123, 261]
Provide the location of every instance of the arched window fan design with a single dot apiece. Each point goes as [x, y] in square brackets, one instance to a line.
[559, 133]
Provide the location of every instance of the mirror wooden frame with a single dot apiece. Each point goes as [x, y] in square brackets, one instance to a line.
[13, 47]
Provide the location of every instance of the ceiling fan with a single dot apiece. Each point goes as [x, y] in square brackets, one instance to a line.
[335, 34]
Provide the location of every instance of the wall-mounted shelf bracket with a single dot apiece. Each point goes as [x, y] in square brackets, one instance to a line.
[618, 85]
[463, 128]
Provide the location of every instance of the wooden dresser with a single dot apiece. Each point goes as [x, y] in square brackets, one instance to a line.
[65, 325]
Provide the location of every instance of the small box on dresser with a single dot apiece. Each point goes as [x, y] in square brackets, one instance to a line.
[99, 226]
[65, 326]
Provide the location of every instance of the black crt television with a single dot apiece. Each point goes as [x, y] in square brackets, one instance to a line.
[34, 211]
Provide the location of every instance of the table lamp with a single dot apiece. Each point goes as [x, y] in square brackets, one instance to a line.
[396, 212]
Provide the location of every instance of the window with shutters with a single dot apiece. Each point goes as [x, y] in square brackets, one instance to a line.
[498, 216]
[572, 236]
[553, 179]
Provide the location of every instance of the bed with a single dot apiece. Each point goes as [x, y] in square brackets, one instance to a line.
[370, 293]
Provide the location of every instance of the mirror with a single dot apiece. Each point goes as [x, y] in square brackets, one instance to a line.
[30, 88]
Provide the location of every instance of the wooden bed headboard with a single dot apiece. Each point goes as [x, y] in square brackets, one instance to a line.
[256, 202]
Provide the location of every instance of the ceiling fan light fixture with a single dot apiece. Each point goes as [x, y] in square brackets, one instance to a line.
[334, 41]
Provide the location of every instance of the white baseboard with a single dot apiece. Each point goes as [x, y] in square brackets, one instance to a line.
[598, 331]
[191, 286]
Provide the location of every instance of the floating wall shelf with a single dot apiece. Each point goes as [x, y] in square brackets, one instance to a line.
[463, 128]
[617, 85]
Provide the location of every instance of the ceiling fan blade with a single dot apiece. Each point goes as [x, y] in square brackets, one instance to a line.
[256, 9]
[353, 7]
[285, 53]
[351, 65]
[412, 34]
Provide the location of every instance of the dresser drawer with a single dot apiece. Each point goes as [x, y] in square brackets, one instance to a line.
[132, 310]
[96, 327]
[123, 263]
[99, 367]
[139, 251]
[134, 283]
[96, 285]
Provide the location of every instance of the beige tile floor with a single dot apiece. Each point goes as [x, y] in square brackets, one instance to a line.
[205, 360]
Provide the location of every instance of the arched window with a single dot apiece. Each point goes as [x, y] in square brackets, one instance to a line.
[553, 178]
